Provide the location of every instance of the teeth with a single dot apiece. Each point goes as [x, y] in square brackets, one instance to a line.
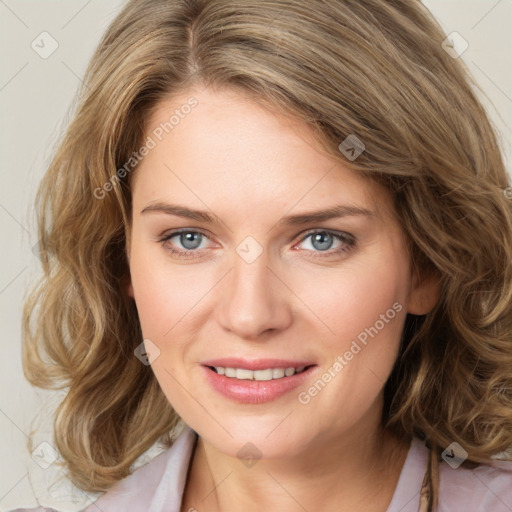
[268, 374]
[243, 374]
[277, 373]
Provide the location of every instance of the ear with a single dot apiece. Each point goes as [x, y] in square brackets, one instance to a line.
[424, 294]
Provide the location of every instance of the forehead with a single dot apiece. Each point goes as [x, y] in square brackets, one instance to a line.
[230, 151]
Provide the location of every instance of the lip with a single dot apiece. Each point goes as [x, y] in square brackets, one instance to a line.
[255, 364]
[253, 391]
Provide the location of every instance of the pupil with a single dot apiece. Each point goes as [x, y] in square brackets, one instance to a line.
[187, 240]
[321, 237]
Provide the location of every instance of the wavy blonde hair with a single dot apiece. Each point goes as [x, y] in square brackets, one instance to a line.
[373, 68]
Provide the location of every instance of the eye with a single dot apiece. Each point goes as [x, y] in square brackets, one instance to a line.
[189, 239]
[322, 241]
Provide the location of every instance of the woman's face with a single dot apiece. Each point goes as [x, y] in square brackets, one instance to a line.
[262, 279]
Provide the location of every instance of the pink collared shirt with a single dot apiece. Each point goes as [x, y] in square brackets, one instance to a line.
[158, 486]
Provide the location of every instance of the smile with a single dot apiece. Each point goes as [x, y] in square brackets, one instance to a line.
[265, 374]
[256, 381]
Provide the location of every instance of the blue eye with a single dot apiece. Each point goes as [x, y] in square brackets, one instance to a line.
[189, 239]
[321, 241]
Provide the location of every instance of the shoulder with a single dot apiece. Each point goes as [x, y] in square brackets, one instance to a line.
[155, 485]
[487, 487]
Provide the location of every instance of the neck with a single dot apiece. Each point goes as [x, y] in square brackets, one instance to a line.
[358, 471]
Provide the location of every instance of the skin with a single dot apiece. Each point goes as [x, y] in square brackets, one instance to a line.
[250, 168]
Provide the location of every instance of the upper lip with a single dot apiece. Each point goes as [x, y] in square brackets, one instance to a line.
[255, 364]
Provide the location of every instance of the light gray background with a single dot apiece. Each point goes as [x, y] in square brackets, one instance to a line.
[35, 97]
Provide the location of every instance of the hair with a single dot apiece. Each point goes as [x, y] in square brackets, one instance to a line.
[375, 69]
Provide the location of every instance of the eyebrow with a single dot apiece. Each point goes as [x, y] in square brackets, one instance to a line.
[292, 220]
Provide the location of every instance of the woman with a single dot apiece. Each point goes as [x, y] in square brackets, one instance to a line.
[286, 226]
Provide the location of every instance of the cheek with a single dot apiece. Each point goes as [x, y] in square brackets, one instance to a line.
[362, 312]
[165, 296]
[352, 299]
[164, 293]
[153, 303]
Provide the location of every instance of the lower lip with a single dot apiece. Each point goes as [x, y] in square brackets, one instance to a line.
[255, 391]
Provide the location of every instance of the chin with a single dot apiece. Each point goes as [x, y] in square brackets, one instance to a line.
[259, 437]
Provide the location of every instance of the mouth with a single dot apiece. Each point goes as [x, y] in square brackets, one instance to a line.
[260, 375]
[256, 382]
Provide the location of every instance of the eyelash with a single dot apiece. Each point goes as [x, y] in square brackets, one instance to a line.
[349, 242]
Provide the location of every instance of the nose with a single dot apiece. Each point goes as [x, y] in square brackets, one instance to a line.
[254, 300]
